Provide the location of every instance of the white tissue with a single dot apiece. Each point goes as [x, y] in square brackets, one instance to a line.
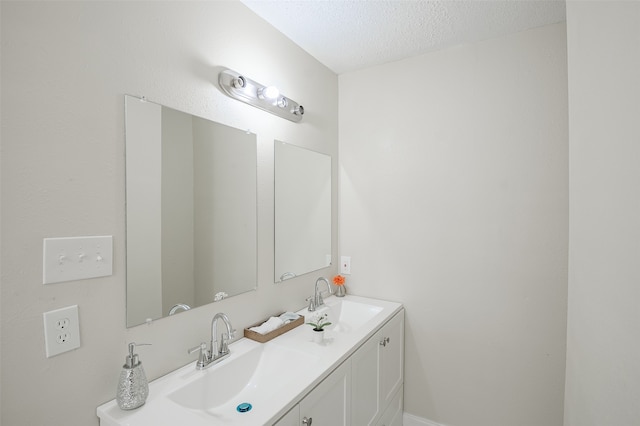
[268, 326]
[287, 317]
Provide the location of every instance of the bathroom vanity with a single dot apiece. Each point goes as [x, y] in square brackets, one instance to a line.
[354, 377]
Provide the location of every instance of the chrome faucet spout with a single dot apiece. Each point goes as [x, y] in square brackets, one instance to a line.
[317, 295]
[220, 348]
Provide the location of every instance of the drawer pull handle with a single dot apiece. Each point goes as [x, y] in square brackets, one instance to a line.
[384, 341]
[307, 421]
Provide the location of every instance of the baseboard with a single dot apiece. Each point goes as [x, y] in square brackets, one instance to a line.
[411, 420]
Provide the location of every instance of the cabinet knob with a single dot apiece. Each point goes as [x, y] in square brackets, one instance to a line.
[384, 341]
[307, 421]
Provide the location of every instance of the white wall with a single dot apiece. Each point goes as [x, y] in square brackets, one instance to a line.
[603, 348]
[65, 69]
[454, 201]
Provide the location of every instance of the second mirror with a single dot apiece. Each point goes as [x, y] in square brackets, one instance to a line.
[302, 211]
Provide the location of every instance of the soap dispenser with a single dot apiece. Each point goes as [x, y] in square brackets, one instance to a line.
[133, 387]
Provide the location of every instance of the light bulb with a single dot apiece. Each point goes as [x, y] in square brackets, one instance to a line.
[269, 92]
[239, 82]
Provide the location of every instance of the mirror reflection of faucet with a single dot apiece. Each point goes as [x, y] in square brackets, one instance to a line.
[179, 306]
[217, 350]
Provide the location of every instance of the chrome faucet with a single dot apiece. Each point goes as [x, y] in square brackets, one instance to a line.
[221, 349]
[216, 350]
[316, 300]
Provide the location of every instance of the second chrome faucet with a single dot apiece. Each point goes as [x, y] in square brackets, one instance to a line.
[316, 300]
[218, 348]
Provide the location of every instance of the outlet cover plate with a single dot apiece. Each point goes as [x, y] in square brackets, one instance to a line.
[61, 330]
[345, 265]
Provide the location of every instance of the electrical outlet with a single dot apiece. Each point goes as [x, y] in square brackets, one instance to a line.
[62, 323]
[61, 330]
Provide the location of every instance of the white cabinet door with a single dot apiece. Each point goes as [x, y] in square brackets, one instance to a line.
[377, 372]
[393, 414]
[292, 418]
[392, 358]
[329, 404]
[365, 383]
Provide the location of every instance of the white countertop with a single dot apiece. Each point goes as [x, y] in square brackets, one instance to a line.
[269, 402]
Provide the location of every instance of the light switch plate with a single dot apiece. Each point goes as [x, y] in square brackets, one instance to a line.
[76, 258]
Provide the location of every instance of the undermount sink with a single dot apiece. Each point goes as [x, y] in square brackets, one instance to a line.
[346, 316]
[248, 377]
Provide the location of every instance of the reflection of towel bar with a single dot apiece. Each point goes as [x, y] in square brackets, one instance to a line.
[179, 306]
[287, 275]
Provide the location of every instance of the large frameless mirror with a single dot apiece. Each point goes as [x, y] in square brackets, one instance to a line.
[302, 210]
[191, 211]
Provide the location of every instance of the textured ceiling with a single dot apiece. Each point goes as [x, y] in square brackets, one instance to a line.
[347, 35]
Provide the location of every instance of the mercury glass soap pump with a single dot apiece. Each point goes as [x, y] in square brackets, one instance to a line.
[133, 387]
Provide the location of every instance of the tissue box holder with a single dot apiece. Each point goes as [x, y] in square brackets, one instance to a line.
[263, 338]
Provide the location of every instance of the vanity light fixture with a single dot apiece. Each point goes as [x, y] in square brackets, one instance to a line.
[267, 98]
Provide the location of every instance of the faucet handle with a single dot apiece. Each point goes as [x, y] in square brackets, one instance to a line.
[312, 304]
[202, 355]
[201, 347]
[224, 344]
